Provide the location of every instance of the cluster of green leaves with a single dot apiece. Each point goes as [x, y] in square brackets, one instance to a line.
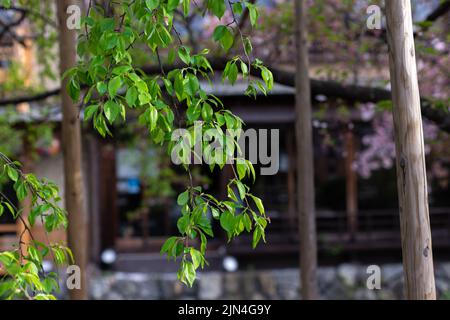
[231, 72]
[115, 84]
[24, 274]
[236, 214]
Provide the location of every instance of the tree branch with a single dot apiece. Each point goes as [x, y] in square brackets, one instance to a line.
[31, 98]
[330, 89]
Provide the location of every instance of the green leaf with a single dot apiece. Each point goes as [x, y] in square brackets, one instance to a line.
[247, 222]
[227, 222]
[111, 109]
[179, 87]
[102, 87]
[131, 96]
[172, 4]
[193, 112]
[241, 189]
[144, 98]
[168, 245]
[90, 111]
[183, 223]
[205, 225]
[231, 194]
[232, 73]
[237, 7]
[21, 190]
[10, 208]
[120, 70]
[248, 46]
[207, 112]
[257, 236]
[186, 6]
[152, 4]
[184, 55]
[229, 120]
[219, 32]
[196, 256]
[13, 174]
[73, 88]
[253, 14]
[223, 35]
[241, 169]
[258, 203]
[153, 117]
[203, 243]
[192, 84]
[267, 77]
[227, 40]
[215, 213]
[217, 7]
[107, 24]
[183, 198]
[114, 86]
[189, 273]
[244, 68]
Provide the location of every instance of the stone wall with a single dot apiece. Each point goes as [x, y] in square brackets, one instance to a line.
[346, 281]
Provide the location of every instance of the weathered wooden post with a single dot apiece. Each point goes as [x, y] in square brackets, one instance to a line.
[411, 172]
[71, 137]
[305, 158]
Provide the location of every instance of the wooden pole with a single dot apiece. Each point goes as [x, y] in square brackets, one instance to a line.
[290, 141]
[71, 135]
[23, 228]
[351, 183]
[411, 171]
[305, 167]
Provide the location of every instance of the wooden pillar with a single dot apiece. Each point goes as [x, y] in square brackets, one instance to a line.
[108, 196]
[351, 183]
[25, 204]
[305, 167]
[292, 203]
[72, 148]
[411, 171]
[145, 224]
[93, 178]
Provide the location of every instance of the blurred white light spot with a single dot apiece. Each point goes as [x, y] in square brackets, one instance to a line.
[108, 256]
[47, 266]
[321, 98]
[230, 264]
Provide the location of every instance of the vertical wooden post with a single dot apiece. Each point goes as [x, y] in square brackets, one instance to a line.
[25, 204]
[305, 167]
[411, 171]
[351, 183]
[71, 136]
[94, 206]
[109, 215]
[291, 183]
